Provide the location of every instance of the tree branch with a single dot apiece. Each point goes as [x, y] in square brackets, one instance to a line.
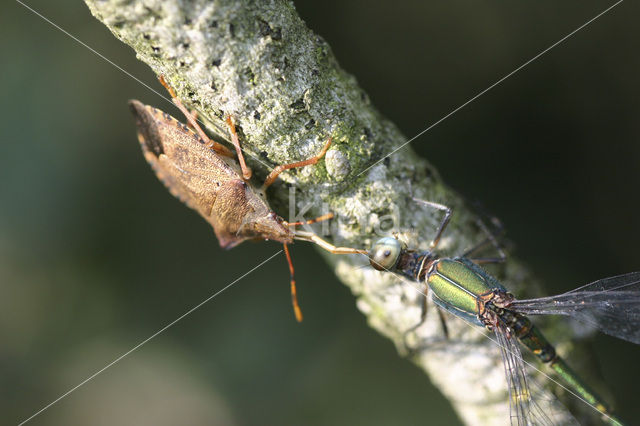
[257, 61]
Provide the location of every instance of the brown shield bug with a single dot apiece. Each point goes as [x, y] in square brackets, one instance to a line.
[205, 176]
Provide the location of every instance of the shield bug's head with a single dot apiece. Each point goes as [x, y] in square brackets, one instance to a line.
[262, 222]
[270, 227]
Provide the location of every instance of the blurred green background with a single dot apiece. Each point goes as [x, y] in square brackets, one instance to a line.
[95, 256]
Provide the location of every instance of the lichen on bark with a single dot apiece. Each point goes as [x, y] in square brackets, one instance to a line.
[258, 62]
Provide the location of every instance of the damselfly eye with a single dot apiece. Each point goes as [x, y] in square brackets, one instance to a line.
[384, 253]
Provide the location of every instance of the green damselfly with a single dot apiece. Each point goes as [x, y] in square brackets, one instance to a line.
[461, 287]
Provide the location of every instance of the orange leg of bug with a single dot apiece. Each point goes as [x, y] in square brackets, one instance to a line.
[246, 171]
[194, 115]
[294, 294]
[310, 221]
[191, 120]
[279, 169]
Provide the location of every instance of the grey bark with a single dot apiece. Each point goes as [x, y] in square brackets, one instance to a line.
[257, 61]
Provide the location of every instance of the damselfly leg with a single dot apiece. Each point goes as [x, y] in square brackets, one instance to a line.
[490, 239]
[443, 223]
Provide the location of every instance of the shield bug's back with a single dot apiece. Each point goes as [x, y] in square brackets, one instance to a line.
[205, 180]
[204, 175]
